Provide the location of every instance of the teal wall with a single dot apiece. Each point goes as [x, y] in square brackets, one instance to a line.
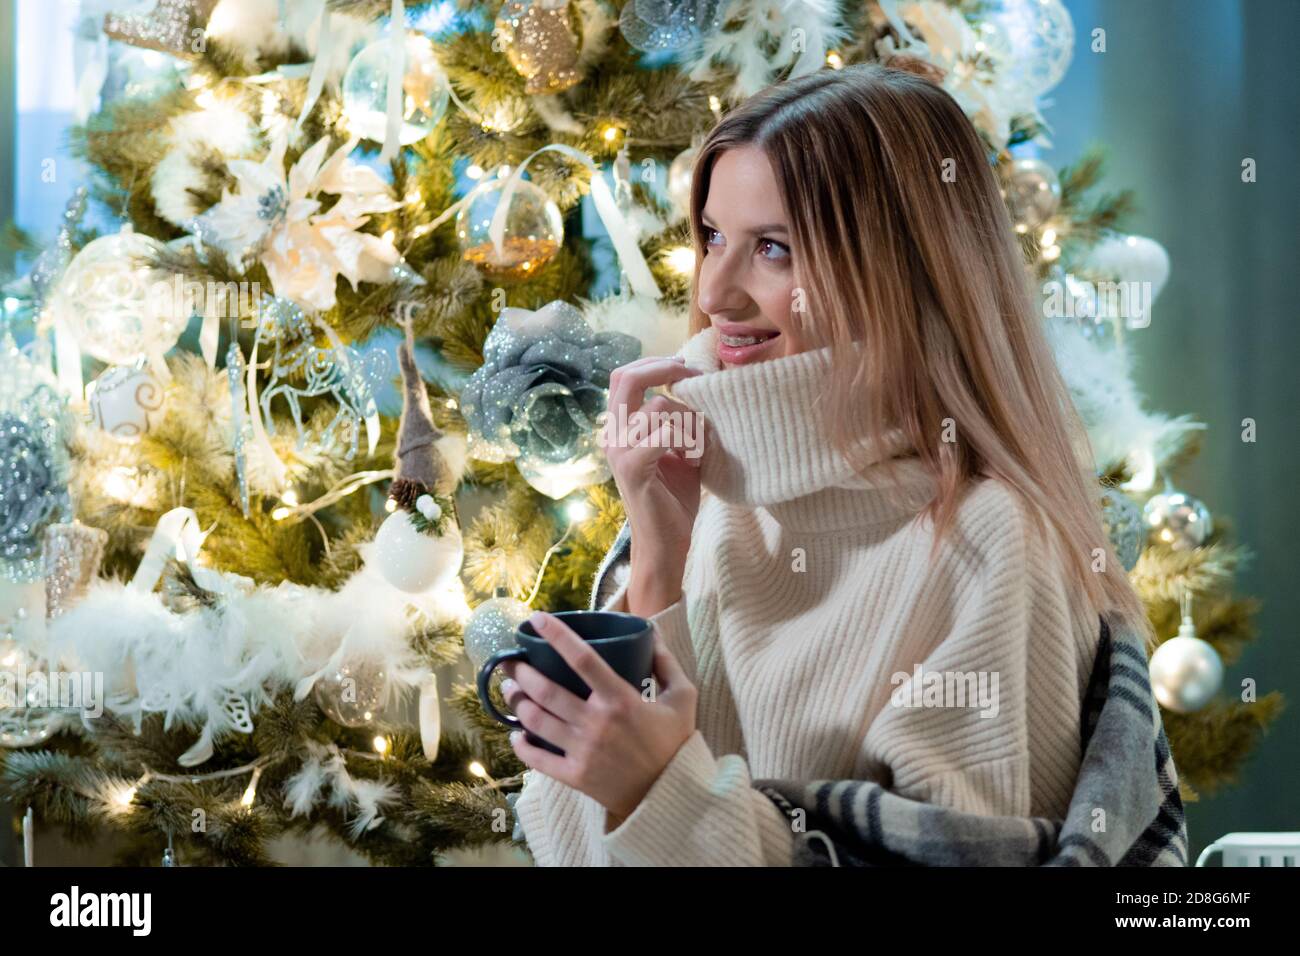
[1185, 91]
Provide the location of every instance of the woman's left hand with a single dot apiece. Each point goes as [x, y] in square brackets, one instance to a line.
[618, 740]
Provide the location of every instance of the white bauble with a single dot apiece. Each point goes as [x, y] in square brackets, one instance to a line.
[122, 400]
[1129, 260]
[413, 561]
[116, 306]
[1185, 673]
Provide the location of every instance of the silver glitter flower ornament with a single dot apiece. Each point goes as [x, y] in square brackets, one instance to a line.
[535, 400]
[33, 461]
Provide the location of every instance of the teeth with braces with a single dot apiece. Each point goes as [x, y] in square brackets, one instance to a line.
[741, 340]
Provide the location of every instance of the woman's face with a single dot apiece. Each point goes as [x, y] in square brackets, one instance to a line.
[746, 285]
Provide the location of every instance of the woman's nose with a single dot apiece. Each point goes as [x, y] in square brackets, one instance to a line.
[720, 289]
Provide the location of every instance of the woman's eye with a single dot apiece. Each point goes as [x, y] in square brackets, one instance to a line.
[712, 237]
[773, 250]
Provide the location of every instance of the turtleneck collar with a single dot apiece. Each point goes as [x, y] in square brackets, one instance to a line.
[767, 445]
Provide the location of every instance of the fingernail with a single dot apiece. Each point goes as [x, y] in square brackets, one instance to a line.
[538, 620]
[514, 737]
[507, 686]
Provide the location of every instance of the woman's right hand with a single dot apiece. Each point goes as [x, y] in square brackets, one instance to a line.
[657, 475]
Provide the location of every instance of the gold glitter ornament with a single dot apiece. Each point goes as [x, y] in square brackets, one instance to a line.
[533, 234]
[540, 44]
[72, 554]
[173, 26]
[1031, 191]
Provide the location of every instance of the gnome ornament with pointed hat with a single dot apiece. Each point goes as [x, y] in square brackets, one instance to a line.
[418, 547]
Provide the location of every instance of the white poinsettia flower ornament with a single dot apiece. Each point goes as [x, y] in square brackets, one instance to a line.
[278, 218]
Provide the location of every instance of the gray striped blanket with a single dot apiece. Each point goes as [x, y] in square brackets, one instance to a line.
[1126, 809]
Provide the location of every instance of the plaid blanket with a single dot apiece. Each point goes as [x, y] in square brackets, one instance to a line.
[1125, 811]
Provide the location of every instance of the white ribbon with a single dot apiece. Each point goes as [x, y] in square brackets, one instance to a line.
[91, 75]
[177, 533]
[396, 74]
[68, 356]
[279, 473]
[320, 67]
[620, 231]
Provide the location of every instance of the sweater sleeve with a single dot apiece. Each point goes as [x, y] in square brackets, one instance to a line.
[703, 811]
[700, 811]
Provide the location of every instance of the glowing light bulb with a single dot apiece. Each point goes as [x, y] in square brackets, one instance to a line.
[381, 746]
[474, 171]
[681, 260]
[390, 505]
[290, 498]
[834, 60]
[477, 769]
[578, 511]
[279, 514]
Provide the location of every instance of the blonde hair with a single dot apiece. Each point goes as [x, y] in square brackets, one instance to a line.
[923, 271]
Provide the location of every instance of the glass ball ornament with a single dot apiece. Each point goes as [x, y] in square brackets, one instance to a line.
[27, 726]
[1031, 191]
[679, 180]
[534, 230]
[425, 91]
[652, 26]
[416, 561]
[115, 306]
[352, 695]
[1185, 672]
[1178, 520]
[1038, 41]
[491, 627]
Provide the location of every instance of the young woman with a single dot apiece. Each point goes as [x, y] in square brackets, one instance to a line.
[894, 485]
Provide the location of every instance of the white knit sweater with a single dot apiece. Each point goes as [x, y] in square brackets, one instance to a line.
[806, 592]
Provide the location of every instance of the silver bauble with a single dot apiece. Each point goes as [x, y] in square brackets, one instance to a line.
[1178, 520]
[491, 627]
[1185, 673]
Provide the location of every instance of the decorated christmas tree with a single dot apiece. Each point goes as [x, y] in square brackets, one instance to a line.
[299, 410]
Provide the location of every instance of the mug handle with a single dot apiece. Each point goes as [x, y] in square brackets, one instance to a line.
[485, 675]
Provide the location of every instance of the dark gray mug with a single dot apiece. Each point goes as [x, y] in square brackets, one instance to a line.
[624, 641]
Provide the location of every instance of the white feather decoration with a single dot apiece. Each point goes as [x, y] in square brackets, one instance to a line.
[661, 327]
[1101, 385]
[742, 51]
[302, 790]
